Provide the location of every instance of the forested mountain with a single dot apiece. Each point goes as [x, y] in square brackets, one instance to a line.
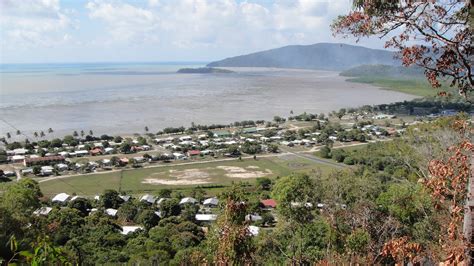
[324, 56]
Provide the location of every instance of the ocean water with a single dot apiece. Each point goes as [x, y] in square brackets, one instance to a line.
[123, 98]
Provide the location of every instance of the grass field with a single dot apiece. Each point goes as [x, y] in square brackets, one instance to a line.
[419, 87]
[212, 176]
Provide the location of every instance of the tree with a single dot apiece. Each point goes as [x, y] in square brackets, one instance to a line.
[18, 132]
[8, 135]
[146, 129]
[264, 183]
[434, 35]
[75, 134]
[325, 152]
[42, 134]
[50, 130]
[148, 219]
[35, 134]
[272, 148]
[22, 198]
[91, 132]
[110, 199]
[82, 133]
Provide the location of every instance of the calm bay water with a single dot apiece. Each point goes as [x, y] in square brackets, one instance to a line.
[124, 98]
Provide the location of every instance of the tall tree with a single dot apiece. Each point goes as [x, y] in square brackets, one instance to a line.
[434, 35]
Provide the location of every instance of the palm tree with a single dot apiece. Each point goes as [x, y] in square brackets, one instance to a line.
[146, 128]
[41, 134]
[35, 134]
[18, 132]
[91, 133]
[82, 133]
[8, 135]
[50, 130]
[74, 134]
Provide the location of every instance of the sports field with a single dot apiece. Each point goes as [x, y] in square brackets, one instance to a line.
[212, 175]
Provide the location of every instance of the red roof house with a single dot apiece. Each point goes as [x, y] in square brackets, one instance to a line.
[194, 152]
[269, 203]
[96, 151]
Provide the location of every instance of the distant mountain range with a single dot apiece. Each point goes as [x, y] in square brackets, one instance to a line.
[322, 56]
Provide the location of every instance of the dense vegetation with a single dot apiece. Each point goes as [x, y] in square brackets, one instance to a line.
[345, 216]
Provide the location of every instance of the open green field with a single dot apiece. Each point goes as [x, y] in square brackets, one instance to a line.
[212, 176]
[419, 87]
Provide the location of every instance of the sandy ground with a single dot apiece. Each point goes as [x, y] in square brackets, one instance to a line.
[201, 176]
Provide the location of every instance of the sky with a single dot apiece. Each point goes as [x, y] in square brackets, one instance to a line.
[61, 31]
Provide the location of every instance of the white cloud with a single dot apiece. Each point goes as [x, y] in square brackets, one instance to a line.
[30, 23]
[124, 22]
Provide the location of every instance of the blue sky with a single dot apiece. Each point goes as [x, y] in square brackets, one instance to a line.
[45, 31]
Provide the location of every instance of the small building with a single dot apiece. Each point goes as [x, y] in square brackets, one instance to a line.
[205, 217]
[125, 198]
[211, 202]
[253, 217]
[61, 197]
[111, 212]
[269, 203]
[221, 134]
[80, 153]
[17, 158]
[254, 230]
[179, 156]
[194, 153]
[96, 151]
[123, 161]
[148, 198]
[109, 150]
[47, 170]
[43, 211]
[185, 138]
[188, 200]
[127, 229]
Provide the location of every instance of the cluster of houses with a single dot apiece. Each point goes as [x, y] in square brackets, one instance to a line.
[205, 215]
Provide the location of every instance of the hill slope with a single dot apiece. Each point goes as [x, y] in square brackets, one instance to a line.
[324, 56]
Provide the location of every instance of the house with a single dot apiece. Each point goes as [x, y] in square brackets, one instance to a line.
[62, 167]
[106, 162]
[249, 130]
[188, 200]
[269, 203]
[96, 151]
[185, 138]
[75, 198]
[27, 171]
[81, 153]
[17, 158]
[127, 229]
[253, 217]
[123, 161]
[194, 153]
[43, 211]
[125, 198]
[205, 217]
[61, 197]
[211, 202]
[146, 147]
[47, 170]
[111, 212]
[179, 156]
[64, 153]
[254, 230]
[139, 159]
[9, 173]
[109, 150]
[20, 151]
[222, 134]
[148, 198]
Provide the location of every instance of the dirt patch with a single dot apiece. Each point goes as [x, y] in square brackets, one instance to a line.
[156, 181]
[181, 177]
[240, 172]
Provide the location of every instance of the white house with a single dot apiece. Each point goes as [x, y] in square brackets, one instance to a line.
[185, 138]
[61, 197]
[108, 150]
[188, 200]
[43, 211]
[148, 198]
[127, 229]
[82, 153]
[178, 156]
[253, 217]
[62, 166]
[111, 212]
[211, 202]
[125, 197]
[254, 230]
[205, 217]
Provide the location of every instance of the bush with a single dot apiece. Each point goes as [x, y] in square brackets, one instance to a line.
[325, 152]
[349, 161]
